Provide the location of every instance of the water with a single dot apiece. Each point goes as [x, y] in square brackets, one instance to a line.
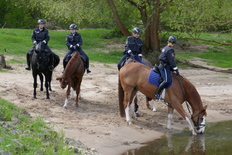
[217, 140]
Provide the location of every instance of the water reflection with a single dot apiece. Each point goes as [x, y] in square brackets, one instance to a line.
[216, 140]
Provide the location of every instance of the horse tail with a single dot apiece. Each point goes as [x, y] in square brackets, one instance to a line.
[56, 60]
[121, 98]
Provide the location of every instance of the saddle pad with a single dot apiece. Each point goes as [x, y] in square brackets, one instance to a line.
[153, 78]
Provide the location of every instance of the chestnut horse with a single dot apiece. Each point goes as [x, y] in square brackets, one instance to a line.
[72, 76]
[147, 63]
[134, 77]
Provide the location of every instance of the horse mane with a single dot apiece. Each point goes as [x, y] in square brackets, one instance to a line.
[71, 62]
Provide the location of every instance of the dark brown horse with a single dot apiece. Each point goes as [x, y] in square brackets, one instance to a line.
[72, 76]
[133, 78]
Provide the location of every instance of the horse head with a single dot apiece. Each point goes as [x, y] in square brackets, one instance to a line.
[199, 120]
[63, 82]
[41, 58]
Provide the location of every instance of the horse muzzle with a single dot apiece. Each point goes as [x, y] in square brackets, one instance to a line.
[200, 128]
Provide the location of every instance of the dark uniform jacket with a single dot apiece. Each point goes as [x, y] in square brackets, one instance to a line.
[40, 35]
[134, 44]
[167, 58]
[74, 39]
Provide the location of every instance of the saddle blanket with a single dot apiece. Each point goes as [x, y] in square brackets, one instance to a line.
[153, 78]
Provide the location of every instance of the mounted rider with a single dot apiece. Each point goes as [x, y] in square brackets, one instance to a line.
[40, 34]
[133, 47]
[167, 65]
[74, 42]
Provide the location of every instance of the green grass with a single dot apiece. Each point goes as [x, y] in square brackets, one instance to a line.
[34, 135]
[18, 41]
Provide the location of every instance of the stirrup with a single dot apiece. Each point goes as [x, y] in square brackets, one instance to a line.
[157, 96]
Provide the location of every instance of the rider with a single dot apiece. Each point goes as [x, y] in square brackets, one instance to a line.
[133, 46]
[74, 42]
[167, 65]
[40, 34]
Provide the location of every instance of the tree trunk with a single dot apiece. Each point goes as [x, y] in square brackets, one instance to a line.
[117, 18]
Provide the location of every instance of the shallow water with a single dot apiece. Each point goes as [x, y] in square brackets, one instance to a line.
[217, 140]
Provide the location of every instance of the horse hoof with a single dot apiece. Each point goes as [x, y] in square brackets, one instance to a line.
[129, 122]
[47, 98]
[154, 109]
[41, 89]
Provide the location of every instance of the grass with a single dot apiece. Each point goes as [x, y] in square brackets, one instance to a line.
[21, 135]
[18, 41]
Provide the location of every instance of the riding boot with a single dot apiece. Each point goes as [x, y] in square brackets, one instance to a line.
[87, 66]
[161, 87]
[51, 62]
[64, 64]
[28, 62]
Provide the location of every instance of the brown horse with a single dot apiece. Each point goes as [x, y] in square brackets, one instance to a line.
[148, 63]
[72, 76]
[133, 78]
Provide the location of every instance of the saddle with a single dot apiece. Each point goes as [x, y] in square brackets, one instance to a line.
[70, 56]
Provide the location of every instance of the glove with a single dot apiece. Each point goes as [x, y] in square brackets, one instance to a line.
[44, 42]
[140, 56]
[35, 42]
[129, 51]
[78, 45]
[71, 46]
[177, 72]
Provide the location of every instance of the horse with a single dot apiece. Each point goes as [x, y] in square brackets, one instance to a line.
[147, 63]
[134, 77]
[72, 76]
[40, 63]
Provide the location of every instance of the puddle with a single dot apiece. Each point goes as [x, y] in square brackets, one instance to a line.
[217, 139]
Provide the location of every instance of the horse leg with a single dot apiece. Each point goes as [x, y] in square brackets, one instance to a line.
[179, 108]
[77, 93]
[34, 84]
[72, 93]
[47, 79]
[154, 106]
[41, 81]
[134, 102]
[147, 102]
[126, 103]
[67, 95]
[170, 116]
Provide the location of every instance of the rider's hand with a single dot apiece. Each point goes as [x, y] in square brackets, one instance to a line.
[129, 51]
[35, 42]
[78, 45]
[44, 42]
[71, 46]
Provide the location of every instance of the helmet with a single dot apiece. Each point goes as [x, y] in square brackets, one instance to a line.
[41, 21]
[73, 26]
[137, 30]
[172, 39]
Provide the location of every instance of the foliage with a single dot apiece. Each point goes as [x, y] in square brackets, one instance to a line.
[25, 136]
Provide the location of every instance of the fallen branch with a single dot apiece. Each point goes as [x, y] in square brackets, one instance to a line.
[210, 41]
[186, 62]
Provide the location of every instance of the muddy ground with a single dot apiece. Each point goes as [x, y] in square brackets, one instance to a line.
[97, 122]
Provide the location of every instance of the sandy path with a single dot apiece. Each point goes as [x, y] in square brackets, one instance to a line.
[97, 122]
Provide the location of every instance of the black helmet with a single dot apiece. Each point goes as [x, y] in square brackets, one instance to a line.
[41, 21]
[73, 26]
[137, 30]
[172, 39]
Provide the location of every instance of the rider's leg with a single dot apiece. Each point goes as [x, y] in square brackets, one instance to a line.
[165, 77]
[51, 58]
[28, 56]
[82, 53]
[121, 60]
[66, 58]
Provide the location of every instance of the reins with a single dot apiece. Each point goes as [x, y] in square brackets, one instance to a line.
[184, 94]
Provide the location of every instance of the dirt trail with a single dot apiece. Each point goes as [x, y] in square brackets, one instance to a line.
[97, 122]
